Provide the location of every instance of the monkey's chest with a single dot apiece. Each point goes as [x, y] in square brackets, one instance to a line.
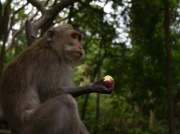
[59, 79]
[64, 79]
[51, 79]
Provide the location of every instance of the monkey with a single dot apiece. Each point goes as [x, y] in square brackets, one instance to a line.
[37, 92]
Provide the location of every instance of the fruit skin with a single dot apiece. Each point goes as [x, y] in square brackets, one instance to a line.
[108, 81]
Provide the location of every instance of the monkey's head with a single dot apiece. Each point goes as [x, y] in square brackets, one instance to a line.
[66, 41]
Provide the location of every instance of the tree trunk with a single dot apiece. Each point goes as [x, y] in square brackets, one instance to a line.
[97, 113]
[4, 33]
[170, 110]
[2, 55]
[84, 107]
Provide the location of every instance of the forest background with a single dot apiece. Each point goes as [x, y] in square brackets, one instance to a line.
[135, 41]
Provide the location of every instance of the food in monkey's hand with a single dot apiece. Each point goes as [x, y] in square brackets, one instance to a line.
[108, 81]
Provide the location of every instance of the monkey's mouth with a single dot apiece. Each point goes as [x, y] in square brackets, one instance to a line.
[78, 53]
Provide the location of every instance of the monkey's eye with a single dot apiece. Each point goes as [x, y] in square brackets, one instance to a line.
[79, 37]
[76, 36]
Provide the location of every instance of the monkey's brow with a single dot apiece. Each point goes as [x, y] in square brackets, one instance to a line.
[75, 32]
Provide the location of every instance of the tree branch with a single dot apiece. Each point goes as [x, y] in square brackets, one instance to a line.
[5, 20]
[30, 32]
[1, 20]
[38, 5]
[47, 17]
[0, 9]
[46, 2]
[55, 2]
[51, 14]
[61, 5]
[4, 32]
[11, 44]
[12, 18]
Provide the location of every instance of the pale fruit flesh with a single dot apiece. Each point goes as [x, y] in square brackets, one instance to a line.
[108, 78]
[108, 81]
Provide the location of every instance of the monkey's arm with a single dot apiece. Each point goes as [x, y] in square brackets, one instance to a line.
[96, 87]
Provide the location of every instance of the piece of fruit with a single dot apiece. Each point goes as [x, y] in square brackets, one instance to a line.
[108, 81]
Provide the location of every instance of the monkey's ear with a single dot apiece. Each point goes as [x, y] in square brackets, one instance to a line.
[49, 36]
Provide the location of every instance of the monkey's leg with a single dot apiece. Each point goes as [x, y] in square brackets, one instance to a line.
[57, 115]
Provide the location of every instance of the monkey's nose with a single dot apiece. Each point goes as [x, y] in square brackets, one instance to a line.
[80, 47]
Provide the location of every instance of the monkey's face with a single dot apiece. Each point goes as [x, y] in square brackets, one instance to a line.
[67, 43]
[72, 47]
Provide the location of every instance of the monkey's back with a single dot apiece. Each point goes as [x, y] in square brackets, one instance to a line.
[13, 89]
[35, 70]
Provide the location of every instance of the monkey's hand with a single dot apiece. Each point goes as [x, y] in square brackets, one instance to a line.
[103, 86]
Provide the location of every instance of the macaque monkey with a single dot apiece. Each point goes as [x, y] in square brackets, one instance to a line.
[37, 92]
